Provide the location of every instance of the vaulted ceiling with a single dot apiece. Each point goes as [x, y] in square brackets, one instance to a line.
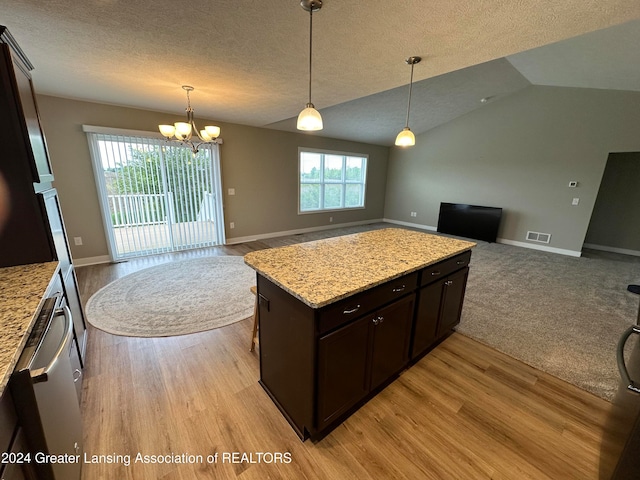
[249, 60]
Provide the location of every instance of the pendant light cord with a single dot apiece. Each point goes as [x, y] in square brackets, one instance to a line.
[410, 88]
[310, 47]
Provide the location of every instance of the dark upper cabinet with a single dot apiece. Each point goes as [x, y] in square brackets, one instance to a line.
[19, 86]
[33, 230]
[25, 236]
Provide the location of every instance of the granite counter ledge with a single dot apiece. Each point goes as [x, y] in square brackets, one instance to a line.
[22, 290]
[324, 271]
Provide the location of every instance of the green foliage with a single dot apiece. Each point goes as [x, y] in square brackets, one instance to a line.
[332, 187]
[186, 176]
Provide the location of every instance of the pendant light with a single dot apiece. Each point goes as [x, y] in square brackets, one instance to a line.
[183, 131]
[406, 138]
[309, 118]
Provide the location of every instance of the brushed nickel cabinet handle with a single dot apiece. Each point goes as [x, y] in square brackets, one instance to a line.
[448, 282]
[353, 310]
[433, 274]
[461, 262]
[399, 289]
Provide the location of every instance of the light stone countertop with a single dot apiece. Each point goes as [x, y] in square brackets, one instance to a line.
[324, 271]
[22, 291]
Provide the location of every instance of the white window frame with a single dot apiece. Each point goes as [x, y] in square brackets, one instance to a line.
[322, 182]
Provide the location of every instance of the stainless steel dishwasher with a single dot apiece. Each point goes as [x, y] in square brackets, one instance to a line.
[45, 395]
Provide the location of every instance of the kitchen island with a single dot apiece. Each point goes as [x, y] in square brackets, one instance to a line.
[341, 317]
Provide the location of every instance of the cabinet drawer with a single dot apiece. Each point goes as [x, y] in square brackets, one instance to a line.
[353, 307]
[442, 269]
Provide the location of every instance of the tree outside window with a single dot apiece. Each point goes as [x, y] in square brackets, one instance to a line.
[331, 180]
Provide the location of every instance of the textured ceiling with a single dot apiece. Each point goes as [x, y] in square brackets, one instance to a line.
[248, 61]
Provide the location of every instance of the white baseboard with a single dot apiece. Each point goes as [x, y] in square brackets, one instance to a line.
[409, 224]
[83, 262]
[561, 251]
[605, 248]
[253, 238]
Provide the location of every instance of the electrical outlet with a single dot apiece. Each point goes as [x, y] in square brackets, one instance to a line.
[232, 191]
[77, 240]
[330, 219]
[232, 225]
[414, 214]
[575, 201]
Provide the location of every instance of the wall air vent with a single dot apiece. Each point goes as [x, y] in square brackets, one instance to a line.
[539, 237]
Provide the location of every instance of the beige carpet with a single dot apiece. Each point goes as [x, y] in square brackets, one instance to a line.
[175, 298]
[561, 314]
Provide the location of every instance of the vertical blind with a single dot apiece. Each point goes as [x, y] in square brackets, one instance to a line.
[156, 197]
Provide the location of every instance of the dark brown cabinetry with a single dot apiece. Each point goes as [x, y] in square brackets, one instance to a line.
[361, 356]
[440, 299]
[342, 370]
[390, 331]
[319, 365]
[451, 303]
[33, 230]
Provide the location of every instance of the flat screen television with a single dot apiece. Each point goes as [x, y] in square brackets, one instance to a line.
[470, 221]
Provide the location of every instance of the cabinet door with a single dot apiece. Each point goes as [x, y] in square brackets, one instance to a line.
[391, 332]
[342, 370]
[38, 155]
[25, 237]
[429, 299]
[452, 297]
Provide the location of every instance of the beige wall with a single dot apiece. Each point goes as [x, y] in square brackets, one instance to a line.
[260, 164]
[518, 153]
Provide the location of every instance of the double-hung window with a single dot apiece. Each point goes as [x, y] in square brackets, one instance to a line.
[331, 180]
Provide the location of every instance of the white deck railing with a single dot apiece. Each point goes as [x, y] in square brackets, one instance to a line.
[139, 209]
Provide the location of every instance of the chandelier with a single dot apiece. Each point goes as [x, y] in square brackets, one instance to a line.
[309, 118]
[406, 138]
[182, 132]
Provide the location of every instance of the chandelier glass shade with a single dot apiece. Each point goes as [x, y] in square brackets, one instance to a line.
[182, 132]
[406, 138]
[310, 118]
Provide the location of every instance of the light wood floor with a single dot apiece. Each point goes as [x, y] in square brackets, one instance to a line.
[463, 412]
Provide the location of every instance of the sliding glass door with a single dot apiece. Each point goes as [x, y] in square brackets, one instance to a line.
[156, 197]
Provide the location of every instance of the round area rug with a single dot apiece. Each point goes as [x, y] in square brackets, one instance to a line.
[175, 298]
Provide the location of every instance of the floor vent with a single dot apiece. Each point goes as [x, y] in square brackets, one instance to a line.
[539, 237]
